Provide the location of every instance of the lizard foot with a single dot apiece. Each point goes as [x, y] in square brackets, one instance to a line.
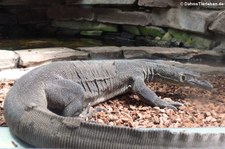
[90, 111]
[167, 104]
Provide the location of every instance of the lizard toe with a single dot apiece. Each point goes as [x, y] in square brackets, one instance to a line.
[174, 105]
[168, 104]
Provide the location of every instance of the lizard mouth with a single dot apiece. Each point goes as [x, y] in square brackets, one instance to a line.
[200, 83]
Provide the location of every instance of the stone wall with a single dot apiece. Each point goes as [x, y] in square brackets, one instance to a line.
[33, 57]
[188, 23]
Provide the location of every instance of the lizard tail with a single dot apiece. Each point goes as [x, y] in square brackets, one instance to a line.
[28, 117]
[42, 128]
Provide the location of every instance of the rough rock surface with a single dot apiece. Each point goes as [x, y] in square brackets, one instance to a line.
[108, 52]
[183, 19]
[192, 40]
[178, 54]
[218, 24]
[8, 59]
[113, 15]
[158, 3]
[31, 57]
[178, 18]
[197, 67]
[85, 26]
[106, 15]
[151, 52]
[122, 17]
[220, 48]
[14, 74]
[17, 18]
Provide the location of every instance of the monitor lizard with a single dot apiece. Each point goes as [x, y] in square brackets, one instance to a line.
[73, 86]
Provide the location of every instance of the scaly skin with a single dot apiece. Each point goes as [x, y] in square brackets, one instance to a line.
[71, 87]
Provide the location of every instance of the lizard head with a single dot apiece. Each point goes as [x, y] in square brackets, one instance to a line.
[193, 79]
[170, 74]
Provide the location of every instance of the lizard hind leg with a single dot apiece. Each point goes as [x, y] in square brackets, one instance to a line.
[65, 96]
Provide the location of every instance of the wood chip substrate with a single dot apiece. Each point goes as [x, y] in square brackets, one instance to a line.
[201, 108]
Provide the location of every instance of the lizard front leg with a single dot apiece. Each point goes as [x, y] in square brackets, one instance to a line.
[149, 96]
[66, 95]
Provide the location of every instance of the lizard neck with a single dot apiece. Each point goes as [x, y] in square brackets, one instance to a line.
[159, 72]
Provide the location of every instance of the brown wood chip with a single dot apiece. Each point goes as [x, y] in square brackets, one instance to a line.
[201, 108]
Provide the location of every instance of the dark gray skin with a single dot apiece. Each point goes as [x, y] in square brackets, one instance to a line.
[71, 87]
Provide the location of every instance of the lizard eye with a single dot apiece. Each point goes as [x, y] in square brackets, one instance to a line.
[182, 78]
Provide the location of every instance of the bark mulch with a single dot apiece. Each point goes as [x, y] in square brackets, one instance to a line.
[201, 108]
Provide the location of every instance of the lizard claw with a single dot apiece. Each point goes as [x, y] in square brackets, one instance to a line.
[168, 104]
[176, 104]
[173, 105]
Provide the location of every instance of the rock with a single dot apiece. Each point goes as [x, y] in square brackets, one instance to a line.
[149, 41]
[218, 25]
[220, 48]
[182, 19]
[107, 52]
[209, 57]
[94, 2]
[196, 67]
[158, 3]
[202, 43]
[105, 15]
[192, 40]
[155, 52]
[85, 26]
[157, 38]
[180, 36]
[32, 57]
[152, 31]
[14, 74]
[9, 59]
[91, 33]
[178, 54]
[167, 37]
[178, 18]
[131, 29]
[118, 16]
